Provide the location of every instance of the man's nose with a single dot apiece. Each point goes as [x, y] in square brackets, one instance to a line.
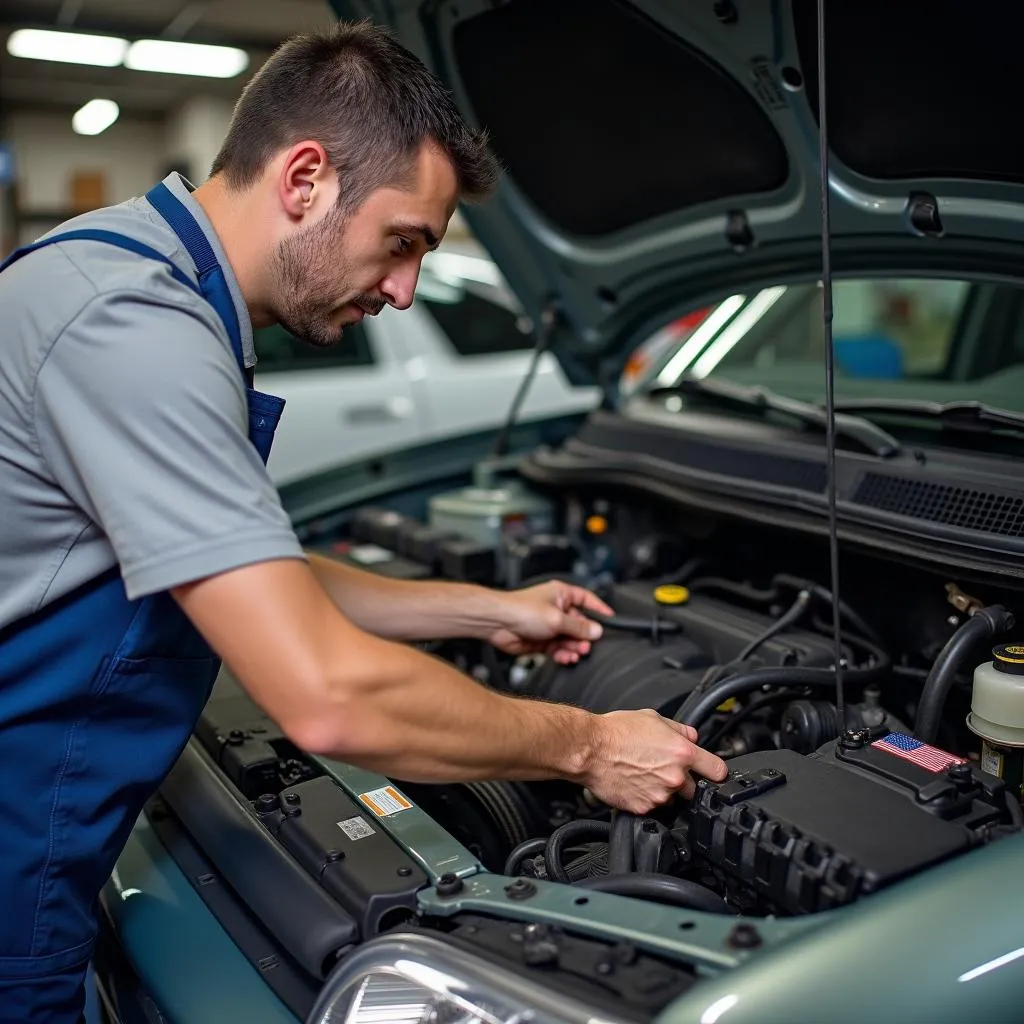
[399, 287]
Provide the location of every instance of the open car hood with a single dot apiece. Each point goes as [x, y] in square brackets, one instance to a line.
[660, 152]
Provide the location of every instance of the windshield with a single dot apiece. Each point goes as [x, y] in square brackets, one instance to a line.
[932, 340]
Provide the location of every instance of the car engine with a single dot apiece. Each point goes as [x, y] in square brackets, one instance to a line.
[728, 633]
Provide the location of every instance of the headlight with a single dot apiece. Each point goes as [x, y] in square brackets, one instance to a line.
[418, 979]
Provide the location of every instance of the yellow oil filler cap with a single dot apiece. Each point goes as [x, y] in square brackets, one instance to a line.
[669, 593]
[1009, 658]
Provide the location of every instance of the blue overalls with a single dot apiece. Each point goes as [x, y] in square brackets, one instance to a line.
[98, 696]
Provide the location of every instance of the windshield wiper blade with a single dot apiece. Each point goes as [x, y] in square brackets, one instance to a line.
[954, 415]
[867, 435]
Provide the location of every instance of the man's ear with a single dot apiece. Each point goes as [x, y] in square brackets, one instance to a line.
[307, 183]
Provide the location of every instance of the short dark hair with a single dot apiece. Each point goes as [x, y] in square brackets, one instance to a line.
[367, 100]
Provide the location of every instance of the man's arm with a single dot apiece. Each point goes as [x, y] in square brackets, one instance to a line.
[338, 691]
[408, 610]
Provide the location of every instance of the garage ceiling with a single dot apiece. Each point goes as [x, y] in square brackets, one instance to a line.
[256, 26]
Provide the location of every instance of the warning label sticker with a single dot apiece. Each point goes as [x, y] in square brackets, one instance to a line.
[991, 761]
[356, 828]
[385, 801]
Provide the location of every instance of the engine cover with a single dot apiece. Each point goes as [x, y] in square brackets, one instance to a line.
[797, 834]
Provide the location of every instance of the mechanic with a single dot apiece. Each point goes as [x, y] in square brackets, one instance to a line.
[143, 540]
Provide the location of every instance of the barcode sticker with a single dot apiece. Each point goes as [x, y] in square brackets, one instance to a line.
[356, 828]
[385, 801]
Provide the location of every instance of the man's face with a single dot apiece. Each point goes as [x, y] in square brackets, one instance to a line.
[344, 266]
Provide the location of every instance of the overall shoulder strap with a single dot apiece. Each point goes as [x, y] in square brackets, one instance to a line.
[212, 280]
[110, 238]
[185, 226]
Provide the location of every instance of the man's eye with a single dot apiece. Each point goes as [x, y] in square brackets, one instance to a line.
[403, 246]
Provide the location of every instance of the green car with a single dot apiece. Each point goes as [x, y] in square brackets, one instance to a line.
[860, 862]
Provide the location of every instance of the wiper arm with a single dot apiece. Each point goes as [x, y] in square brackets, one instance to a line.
[953, 415]
[868, 435]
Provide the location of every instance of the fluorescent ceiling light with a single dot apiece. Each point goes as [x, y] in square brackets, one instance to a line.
[95, 117]
[694, 345]
[726, 341]
[174, 58]
[67, 47]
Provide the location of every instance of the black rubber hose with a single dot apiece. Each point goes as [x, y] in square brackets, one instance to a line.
[1015, 809]
[789, 618]
[824, 595]
[679, 892]
[620, 844]
[982, 625]
[755, 596]
[684, 573]
[638, 624]
[700, 705]
[859, 643]
[566, 835]
[531, 848]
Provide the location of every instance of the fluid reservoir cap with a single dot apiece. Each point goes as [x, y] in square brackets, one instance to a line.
[597, 525]
[997, 698]
[669, 593]
[1009, 658]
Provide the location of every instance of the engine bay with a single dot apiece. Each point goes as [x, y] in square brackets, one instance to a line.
[718, 627]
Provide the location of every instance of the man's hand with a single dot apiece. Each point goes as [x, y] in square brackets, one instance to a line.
[642, 759]
[547, 619]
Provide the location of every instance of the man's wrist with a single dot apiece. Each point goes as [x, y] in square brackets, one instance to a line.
[482, 610]
[580, 741]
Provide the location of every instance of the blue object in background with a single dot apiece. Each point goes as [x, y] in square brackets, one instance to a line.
[869, 355]
[6, 164]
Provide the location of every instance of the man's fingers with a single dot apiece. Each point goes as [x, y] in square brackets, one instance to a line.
[578, 627]
[580, 597]
[579, 646]
[687, 730]
[709, 765]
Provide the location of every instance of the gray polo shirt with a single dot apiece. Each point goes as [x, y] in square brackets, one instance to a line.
[123, 421]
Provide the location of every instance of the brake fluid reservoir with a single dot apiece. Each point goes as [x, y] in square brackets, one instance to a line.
[997, 715]
[492, 512]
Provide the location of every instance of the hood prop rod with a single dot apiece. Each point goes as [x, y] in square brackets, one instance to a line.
[544, 330]
[830, 368]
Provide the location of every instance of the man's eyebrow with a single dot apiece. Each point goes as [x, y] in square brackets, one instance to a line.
[425, 230]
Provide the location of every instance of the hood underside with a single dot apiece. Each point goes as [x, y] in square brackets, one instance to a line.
[660, 151]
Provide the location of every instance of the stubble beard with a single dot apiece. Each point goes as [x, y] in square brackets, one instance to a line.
[301, 264]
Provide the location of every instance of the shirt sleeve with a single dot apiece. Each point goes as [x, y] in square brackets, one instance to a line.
[140, 414]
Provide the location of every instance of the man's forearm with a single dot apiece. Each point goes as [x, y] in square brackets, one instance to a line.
[407, 610]
[416, 718]
[337, 690]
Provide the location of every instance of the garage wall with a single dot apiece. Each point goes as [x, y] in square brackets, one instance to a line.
[194, 135]
[130, 154]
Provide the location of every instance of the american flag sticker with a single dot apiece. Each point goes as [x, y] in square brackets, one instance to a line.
[902, 745]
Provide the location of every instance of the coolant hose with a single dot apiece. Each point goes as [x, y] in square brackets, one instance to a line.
[620, 844]
[789, 618]
[661, 888]
[982, 625]
[701, 704]
[567, 835]
[531, 848]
